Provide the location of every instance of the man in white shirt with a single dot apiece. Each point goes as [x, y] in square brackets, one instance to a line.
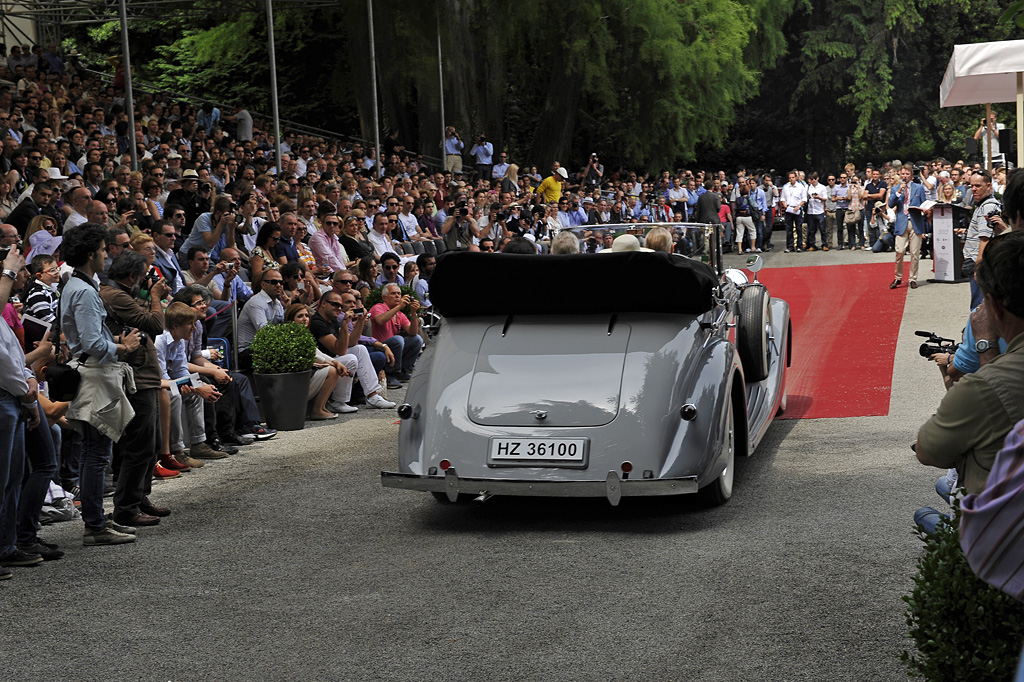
[380, 236]
[817, 195]
[80, 199]
[792, 198]
[306, 212]
[499, 169]
[983, 132]
[262, 309]
[408, 223]
[483, 151]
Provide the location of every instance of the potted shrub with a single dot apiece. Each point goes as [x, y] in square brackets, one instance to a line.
[282, 363]
[962, 628]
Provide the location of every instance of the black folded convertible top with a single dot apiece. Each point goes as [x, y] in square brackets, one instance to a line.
[471, 284]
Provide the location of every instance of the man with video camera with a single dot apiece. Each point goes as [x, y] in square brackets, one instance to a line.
[978, 411]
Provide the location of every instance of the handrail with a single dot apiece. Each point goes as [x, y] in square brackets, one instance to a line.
[293, 125]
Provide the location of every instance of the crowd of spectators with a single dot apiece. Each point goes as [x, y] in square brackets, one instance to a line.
[133, 271]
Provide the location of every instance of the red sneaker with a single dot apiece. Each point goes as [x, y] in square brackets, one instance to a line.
[160, 472]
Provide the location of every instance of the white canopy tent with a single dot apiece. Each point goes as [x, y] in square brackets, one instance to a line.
[983, 73]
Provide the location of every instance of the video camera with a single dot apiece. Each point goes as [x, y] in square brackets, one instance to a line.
[935, 344]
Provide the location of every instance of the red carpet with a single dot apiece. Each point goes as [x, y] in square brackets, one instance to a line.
[845, 325]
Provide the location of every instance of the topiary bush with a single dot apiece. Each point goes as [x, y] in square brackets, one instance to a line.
[375, 296]
[962, 627]
[283, 348]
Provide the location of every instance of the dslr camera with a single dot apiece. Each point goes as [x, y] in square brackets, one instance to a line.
[142, 335]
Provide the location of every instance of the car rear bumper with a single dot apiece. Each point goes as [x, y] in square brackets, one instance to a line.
[612, 487]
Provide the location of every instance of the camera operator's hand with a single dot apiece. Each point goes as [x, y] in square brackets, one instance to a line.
[131, 341]
[159, 290]
[995, 221]
[14, 260]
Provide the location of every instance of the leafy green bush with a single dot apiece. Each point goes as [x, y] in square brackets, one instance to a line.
[963, 628]
[283, 348]
[375, 296]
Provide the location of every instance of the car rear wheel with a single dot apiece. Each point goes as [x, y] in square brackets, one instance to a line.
[719, 491]
[752, 332]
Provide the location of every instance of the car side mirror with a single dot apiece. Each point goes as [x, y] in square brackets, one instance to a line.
[754, 263]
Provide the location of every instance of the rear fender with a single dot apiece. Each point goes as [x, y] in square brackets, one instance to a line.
[697, 445]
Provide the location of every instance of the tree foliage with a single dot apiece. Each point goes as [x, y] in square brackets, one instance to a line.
[648, 83]
[644, 80]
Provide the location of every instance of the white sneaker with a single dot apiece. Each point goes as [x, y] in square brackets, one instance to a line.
[380, 403]
[341, 408]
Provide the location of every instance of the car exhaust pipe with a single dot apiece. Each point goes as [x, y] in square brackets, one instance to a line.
[483, 497]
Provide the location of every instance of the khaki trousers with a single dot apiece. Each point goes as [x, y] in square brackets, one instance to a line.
[913, 240]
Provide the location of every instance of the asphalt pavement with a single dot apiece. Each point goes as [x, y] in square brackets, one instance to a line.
[289, 561]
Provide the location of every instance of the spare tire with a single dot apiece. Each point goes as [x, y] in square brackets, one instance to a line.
[752, 332]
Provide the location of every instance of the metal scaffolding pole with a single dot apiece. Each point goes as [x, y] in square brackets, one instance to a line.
[373, 67]
[440, 85]
[129, 99]
[273, 86]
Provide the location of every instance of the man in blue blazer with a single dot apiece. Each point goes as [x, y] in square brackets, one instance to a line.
[904, 198]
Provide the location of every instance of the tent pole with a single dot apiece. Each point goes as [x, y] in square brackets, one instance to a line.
[988, 137]
[1020, 119]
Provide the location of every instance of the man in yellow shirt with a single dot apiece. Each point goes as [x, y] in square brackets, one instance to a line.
[551, 187]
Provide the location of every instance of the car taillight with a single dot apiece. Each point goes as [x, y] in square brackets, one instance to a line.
[444, 464]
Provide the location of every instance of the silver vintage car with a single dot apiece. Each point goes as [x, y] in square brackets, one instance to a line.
[608, 375]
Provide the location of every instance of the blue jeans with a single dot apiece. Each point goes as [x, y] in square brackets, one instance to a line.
[42, 461]
[406, 350]
[12, 467]
[95, 457]
[929, 518]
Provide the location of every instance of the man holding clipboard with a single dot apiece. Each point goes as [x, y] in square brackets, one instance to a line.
[906, 199]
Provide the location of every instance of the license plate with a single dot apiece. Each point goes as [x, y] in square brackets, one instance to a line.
[568, 452]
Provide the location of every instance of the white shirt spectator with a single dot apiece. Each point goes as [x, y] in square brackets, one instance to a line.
[484, 153]
[381, 243]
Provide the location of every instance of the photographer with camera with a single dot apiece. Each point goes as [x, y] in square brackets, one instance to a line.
[986, 131]
[460, 228]
[593, 175]
[484, 153]
[453, 147]
[135, 453]
[214, 230]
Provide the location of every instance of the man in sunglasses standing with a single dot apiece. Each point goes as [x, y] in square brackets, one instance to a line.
[262, 309]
